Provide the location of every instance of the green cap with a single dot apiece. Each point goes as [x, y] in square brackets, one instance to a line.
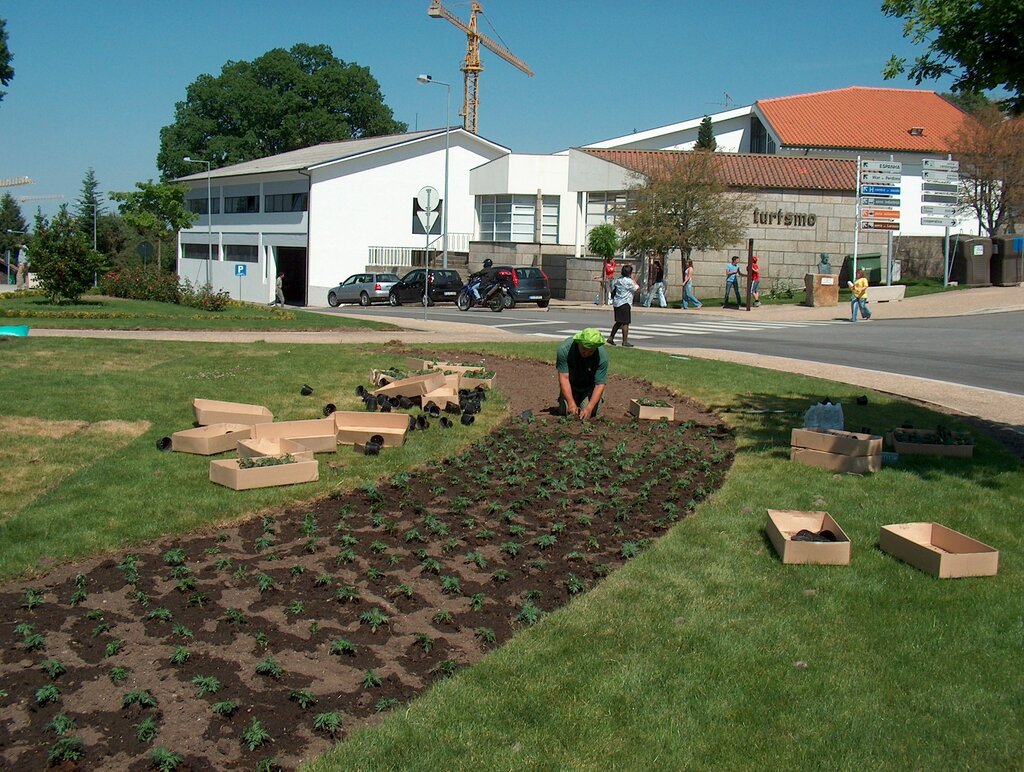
[590, 337]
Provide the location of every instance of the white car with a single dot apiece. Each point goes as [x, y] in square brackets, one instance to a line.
[362, 288]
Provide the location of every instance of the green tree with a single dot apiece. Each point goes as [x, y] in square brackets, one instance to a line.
[990, 150]
[603, 240]
[706, 136]
[156, 209]
[89, 204]
[62, 258]
[6, 71]
[681, 203]
[283, 100]
[11, 219]
[979, 43]
[969, 101]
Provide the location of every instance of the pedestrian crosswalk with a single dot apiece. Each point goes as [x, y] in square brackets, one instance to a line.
[702, 327]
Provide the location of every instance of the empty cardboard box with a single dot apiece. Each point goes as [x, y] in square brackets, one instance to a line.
[416, 386]
[938, 550]
[783, 524]
[836, 462]
[354, 427]
[228, 473]
[210, 440]
[837, 441]
[650, 412]
[211, 411]
[249, 448]
[317, 434]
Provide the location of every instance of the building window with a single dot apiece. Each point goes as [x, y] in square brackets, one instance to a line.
[241, 204]
[604, 207]
[197, 251]
[511, 218]
[760, 140]
[198, 205]
[241, 253]
[286, 202]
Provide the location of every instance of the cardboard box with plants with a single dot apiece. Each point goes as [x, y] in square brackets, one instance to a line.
[263, 472]
[938, 550]
[925, 442]
[442, 366]
[212, 411]
[651, 409]
[249, 448]
[807, 537]
[353, 427]
[414, 386]
[210, 440]
[836, 450]
[317, 434]
[478, 378]
[386, 376]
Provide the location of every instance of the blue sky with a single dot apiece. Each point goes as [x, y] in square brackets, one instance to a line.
[94, 82]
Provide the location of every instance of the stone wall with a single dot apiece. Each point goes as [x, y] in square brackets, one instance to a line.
[920, 256]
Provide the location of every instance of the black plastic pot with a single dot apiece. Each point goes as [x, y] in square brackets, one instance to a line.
[395, 402]
[377, 440]
[371, 403]
[386, 407]
[422, 422]
[306, 390]
[382, 400]
[452, 409]
[164, 443]
[472, 407]
[446, 422]
[360, 390]
[405, 403]
[412, 423]
[432, 410]
[329, 409]
[862, 400]
[383, 382]
[371, 448]
[467, 419]
[481, 392]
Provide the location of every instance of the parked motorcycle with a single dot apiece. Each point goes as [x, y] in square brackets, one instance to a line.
[494, 297]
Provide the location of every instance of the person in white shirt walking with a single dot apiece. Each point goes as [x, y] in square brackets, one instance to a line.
[623, 290]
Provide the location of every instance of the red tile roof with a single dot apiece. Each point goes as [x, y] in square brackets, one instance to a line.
[865, 118]
[746, 170]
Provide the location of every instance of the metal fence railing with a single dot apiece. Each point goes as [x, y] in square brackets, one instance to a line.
[403, 256]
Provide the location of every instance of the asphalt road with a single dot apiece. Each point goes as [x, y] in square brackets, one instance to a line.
[983, 350]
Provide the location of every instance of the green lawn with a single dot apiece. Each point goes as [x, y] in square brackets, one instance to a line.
[105, 313]
[915, 287]
[687, 657]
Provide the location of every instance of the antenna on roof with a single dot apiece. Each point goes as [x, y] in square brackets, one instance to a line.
[727, 103]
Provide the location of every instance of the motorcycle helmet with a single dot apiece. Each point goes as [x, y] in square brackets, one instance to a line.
[488, 263]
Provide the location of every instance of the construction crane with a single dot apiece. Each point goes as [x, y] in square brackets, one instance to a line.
[10, 182]
[471, 67]
[23, 199]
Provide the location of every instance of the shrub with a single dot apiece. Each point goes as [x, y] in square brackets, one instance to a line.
[61, 257]
[141, 284]
[202, 297]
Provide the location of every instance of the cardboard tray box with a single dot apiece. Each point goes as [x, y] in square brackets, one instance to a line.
[318, 434]
[377, 375]
[416, 386]
[354, 427]
[442, 397]
[923, 449]
[210, 440]
[226, 472]
[938, 550]
[648, 413]
[450, 367]
[837, 441]
[249, 448]
[781, 526]
[836, 462]
[211, 411]
[472, 383]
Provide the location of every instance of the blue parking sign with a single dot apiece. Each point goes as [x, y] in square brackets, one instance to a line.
[240, 270]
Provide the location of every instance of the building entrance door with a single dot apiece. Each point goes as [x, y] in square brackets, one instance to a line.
[291, 261]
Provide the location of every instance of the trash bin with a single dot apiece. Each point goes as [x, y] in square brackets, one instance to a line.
[1007, 263]
[972, 262]
[870, 263]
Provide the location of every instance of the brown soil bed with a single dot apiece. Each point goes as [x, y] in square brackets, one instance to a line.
[347, 607]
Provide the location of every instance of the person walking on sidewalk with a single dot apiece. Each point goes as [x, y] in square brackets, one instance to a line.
[688, 286]
[623, 290]
[859, 298]
[657, 285]
[279, 291]
[732, 281]
[607, 277]
[755, 281]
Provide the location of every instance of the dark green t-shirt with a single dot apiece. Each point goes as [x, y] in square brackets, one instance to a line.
[584, 372]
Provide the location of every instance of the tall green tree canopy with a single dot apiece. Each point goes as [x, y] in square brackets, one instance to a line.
[156, 209]
[6, 71]
[283, 100]
[62, 257]
[11, 219]
[706, 135]
[980, 43]
[89, 205]
[603, 240]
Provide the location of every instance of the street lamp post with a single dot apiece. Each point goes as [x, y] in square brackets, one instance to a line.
[209, 211]
[427, 79]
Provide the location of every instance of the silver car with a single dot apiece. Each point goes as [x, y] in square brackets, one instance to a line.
[362, 288]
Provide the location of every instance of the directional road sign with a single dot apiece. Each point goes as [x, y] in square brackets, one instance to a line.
[930, 176]
[428, 198]
[427, 219]
[880, 190]
[880, 225]
[939, 198]
[880, 214]
[892, 167]
[879, 178]
[941, 165]
[882, 201]
[938, 221]
[943, 211]
[939, 187]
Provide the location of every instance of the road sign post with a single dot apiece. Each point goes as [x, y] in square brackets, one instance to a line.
[941, 179]
[428, 200]
[878, 203]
